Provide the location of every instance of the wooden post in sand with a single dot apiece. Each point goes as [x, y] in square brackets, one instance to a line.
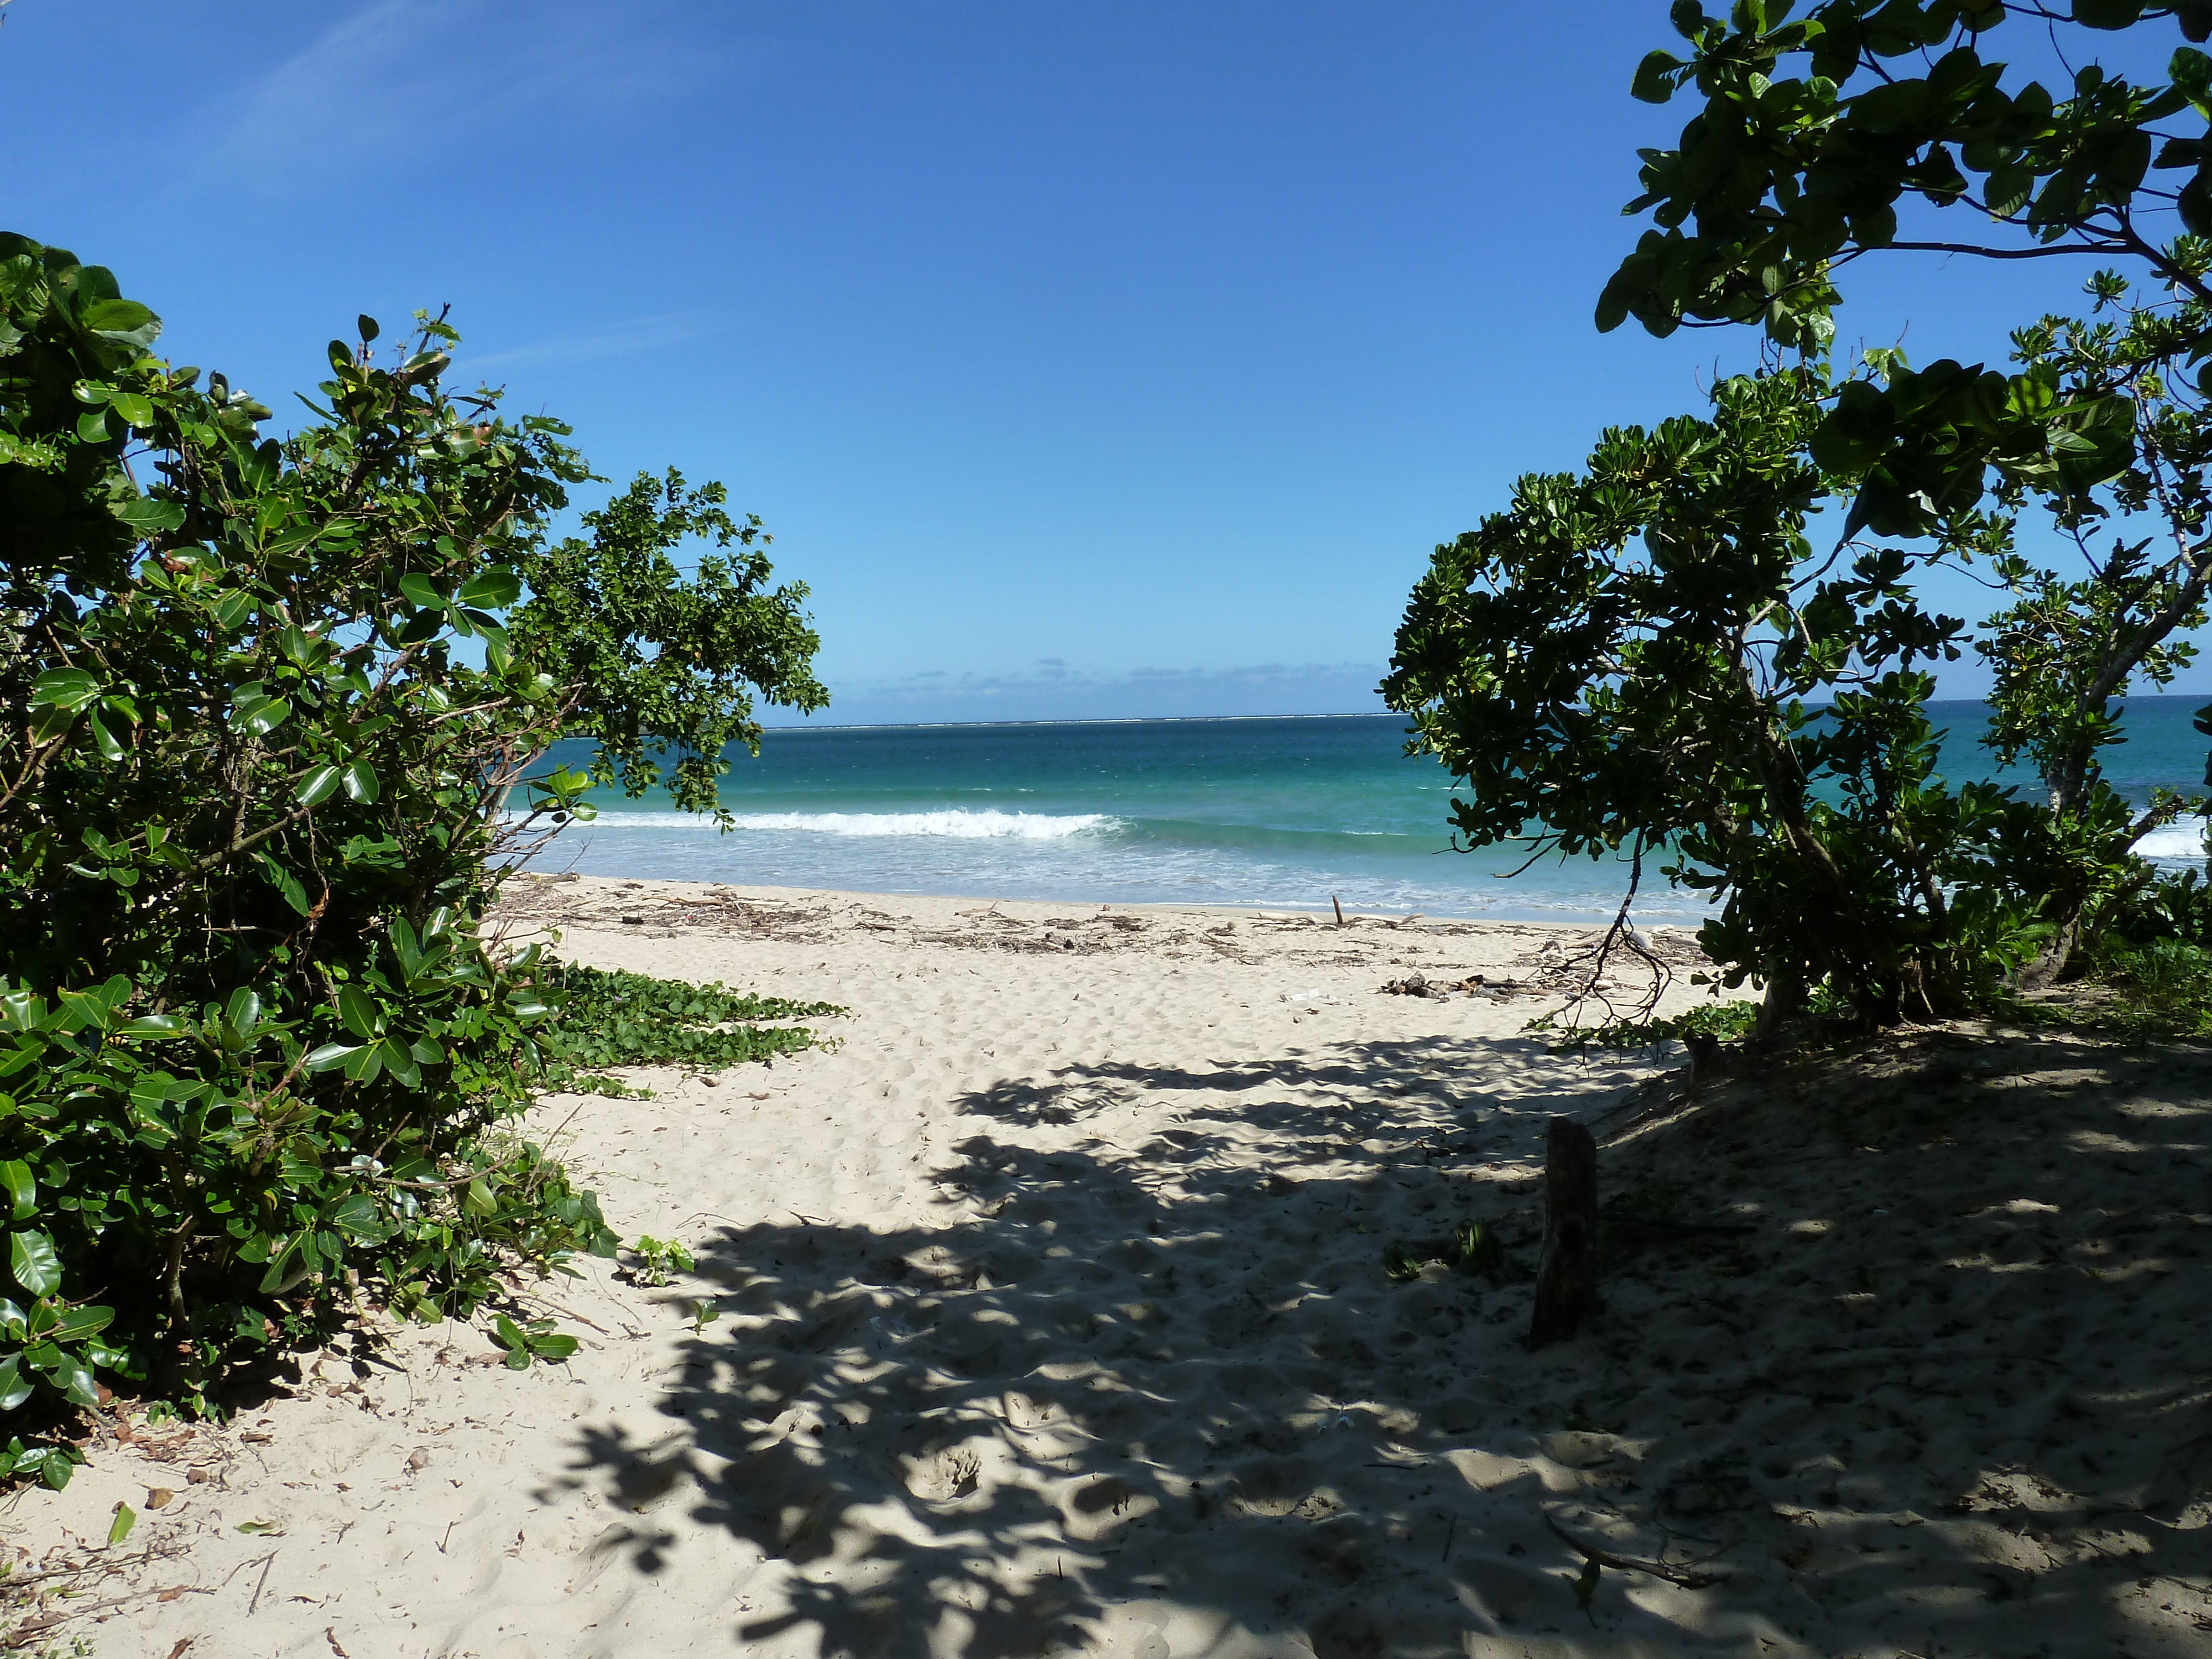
[1566, 1283]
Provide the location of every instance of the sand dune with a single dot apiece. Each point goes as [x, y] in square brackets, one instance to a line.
[1051, 1316]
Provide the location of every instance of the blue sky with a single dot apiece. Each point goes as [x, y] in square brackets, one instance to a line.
[1086, 359]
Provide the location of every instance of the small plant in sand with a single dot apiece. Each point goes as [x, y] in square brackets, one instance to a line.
[1473, 1248]
[1477, 1249]
[533, 1340]
[654, 1260]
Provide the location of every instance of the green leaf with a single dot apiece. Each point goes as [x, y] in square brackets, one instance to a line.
[126, 1518]
[76, 1324]
[418, 592]
[14, 1387]
[255, 711]
[76, 1384]
[103, 739]
[330, 1055]
[151, 1025]
[147, 516]
[357, 1217]
[320, 784]
[244, 1012]
[21, 1186]
[398, 1061]
[491, 590]
[37, 1267]
[553, 1347]
[284, 882]
[132, 408]
[359, 1011]
[1655, 77]
[125, 321]
[2108, 14]
[64, 688]
[360, 782]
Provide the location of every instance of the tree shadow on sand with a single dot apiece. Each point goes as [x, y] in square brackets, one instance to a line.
[1150, 1391]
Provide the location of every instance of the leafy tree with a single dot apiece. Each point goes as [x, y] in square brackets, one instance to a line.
[1814, 134]
[272, 711]
[1660, 699]
[1624, 662]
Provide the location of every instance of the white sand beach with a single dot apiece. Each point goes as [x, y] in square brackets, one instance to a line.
[1052, 1318]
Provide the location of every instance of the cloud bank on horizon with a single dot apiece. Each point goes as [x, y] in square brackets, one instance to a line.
[1054, 690]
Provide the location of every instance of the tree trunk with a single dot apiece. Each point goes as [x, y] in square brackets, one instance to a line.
[1783, 1002]
[2050, 962]
[1566, 1284]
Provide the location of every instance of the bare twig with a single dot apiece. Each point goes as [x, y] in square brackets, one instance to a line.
[1672, 1575]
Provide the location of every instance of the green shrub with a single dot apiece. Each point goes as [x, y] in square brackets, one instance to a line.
[273, 709]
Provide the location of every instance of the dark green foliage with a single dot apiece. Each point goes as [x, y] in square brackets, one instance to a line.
[1813, 131]
[534, 1340]
[1725, 1021]
[613, 1018]
[51, 1463]
[2149, 944]
[1401, 1264]
[1626, 662]
[1631, 658]
[270, 713]
[1474, 1247]
[663, 660]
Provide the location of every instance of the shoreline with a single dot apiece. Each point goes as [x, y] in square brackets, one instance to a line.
[768, 892]
[1595, 917]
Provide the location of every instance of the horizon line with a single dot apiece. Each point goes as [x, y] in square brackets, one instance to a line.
[1081, 720]
[1199, 720]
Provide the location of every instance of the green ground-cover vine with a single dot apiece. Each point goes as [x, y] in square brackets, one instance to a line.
[609, 1017]
[271, 708]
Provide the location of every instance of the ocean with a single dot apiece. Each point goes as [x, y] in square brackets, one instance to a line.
[1281, 813]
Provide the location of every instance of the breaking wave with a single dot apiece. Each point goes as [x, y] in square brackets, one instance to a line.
[950, 823]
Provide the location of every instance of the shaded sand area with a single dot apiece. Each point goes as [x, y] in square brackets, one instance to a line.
[1054, 1319]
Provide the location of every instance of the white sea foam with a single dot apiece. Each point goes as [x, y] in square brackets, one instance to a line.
[952, 824]
[2181, 842]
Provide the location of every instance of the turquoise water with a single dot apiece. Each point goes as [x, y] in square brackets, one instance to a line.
[1262, 812]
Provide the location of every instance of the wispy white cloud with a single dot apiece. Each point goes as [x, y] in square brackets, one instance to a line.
[401, 78]
[629, 337]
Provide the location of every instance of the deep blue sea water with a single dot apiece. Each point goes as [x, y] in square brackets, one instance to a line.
[1281, 813]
